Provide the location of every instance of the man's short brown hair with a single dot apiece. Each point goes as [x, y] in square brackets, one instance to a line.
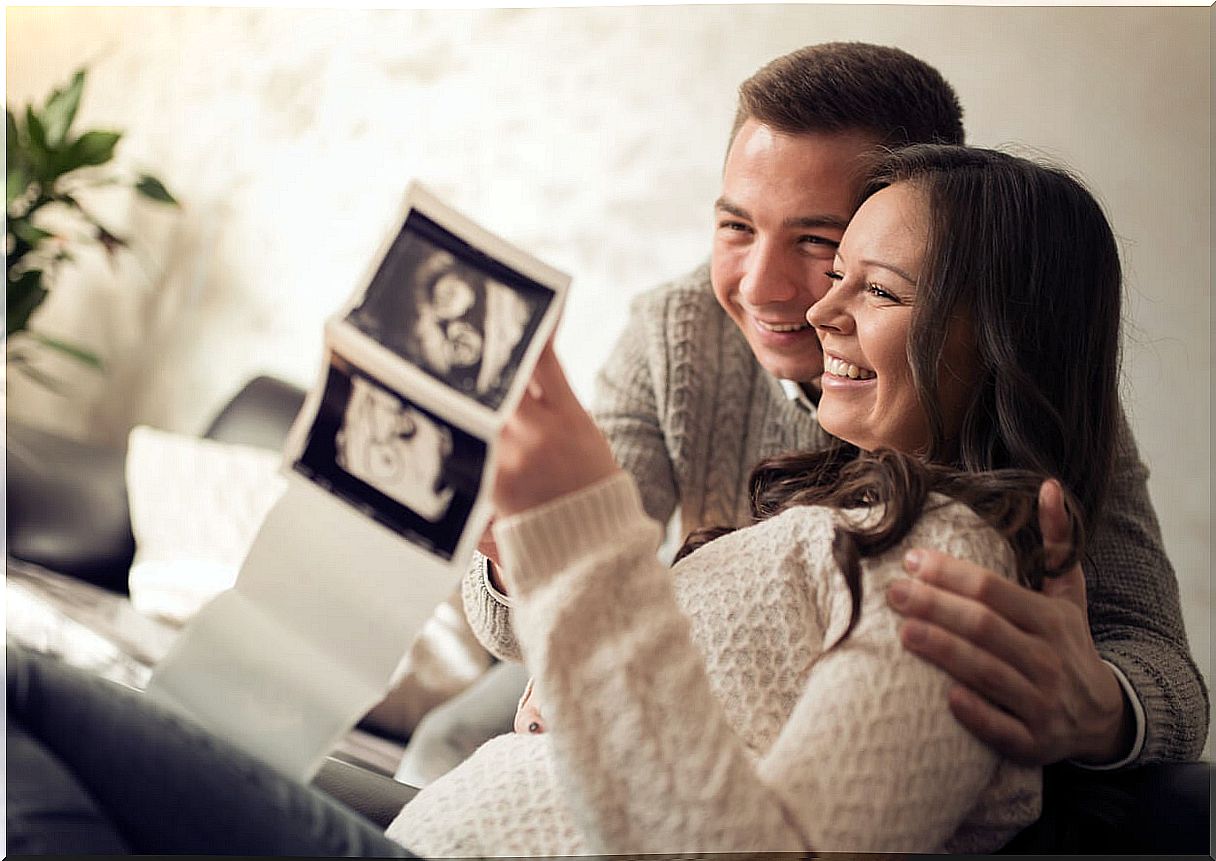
[853, 86]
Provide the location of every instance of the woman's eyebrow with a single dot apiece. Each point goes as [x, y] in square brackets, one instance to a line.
[890, 267]
[879, 264]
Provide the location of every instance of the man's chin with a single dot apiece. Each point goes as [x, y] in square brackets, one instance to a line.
[809, 378]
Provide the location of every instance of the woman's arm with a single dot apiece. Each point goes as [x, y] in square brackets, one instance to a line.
[870, 758]
[627, 411]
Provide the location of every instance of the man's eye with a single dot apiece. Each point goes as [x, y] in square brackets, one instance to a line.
[733, 225]
[811, 239]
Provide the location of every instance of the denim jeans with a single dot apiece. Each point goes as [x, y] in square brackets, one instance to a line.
[97, 768]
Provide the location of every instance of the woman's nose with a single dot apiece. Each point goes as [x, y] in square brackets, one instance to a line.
[829, 313]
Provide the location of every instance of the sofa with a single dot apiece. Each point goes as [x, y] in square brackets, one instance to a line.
[68, 517]
[70, 547]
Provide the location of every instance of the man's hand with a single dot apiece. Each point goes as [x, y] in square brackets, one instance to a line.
[1030, 681]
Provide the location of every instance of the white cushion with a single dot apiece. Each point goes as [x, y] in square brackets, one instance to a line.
[196, 506]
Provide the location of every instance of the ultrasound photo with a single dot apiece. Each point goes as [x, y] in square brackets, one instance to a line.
[459, 314]
[394, 461]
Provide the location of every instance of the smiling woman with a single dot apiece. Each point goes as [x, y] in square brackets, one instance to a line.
[869, 395]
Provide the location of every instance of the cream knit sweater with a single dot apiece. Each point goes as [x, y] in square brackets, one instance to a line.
[701, 711]
[688, 413]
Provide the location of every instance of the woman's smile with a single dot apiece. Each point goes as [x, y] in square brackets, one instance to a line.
[842, 370]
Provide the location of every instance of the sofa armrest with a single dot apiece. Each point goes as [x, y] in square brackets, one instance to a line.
[375, 796]
[67, 506]
[1154, 809]
[260, 414]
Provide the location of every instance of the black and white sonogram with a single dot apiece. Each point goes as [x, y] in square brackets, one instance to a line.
[461, 315]
[394, 461]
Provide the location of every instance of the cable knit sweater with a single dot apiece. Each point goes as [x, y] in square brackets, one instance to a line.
[688, 412]
[703, 711]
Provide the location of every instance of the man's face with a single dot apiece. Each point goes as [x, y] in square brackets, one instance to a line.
[785, 202]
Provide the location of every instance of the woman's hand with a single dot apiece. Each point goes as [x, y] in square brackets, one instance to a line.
[550, 447]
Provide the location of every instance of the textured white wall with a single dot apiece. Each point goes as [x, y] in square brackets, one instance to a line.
[592, 137]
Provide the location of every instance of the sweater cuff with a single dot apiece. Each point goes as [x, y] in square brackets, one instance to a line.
[541, 541]
[1138, 715]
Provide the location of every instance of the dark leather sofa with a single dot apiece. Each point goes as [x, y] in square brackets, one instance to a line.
[67, 511]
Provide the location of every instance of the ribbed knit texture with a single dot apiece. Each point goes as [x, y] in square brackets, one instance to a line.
[701, 712]
[689, 412]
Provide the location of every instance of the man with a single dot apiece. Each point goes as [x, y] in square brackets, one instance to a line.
[719, 369]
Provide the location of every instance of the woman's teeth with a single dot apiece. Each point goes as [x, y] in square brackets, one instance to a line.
[783, 327]
[841, 368]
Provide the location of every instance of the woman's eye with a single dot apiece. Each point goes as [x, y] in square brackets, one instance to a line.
[877, 290]
[834, 275]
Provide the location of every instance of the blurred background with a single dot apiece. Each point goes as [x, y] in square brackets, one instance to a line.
[593, 138]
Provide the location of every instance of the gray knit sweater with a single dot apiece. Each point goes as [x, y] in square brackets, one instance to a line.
[688, 412]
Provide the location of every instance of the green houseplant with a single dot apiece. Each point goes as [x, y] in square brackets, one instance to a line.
[48, 165]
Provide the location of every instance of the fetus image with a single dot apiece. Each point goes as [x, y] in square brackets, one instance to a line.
[465, 319]
[392, 459]
[395, 449]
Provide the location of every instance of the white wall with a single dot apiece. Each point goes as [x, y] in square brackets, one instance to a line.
[592, 137]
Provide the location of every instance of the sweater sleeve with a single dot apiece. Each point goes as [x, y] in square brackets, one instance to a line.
[629, 392]
[870, 758]
[1136, 616]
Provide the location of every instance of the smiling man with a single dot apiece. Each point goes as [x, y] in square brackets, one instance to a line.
[720, 369]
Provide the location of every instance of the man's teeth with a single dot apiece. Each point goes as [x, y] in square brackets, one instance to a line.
[844, 369]
[783, 327]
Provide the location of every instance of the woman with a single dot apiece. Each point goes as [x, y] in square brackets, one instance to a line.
[758, 699]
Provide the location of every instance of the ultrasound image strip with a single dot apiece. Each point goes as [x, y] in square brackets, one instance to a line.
[393, 460]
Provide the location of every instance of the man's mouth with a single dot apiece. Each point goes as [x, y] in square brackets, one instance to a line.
[840, 368]
[782, 328]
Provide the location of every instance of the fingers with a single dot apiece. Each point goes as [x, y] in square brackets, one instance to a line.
[993, 726]
[977, 667]
[1069, 585]
[528, 717]
[1053, 523]
[549, 381]
[1009, 600]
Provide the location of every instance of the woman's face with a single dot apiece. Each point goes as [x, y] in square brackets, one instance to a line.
[869, 398]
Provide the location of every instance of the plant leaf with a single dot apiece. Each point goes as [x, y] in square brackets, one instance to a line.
[16, 181]
[12, 137]
[153, 188]
[34, 125]
[23, 296]
[41, 160]
[60, 110]
[91, 148]
[28, 232]
[78, 353]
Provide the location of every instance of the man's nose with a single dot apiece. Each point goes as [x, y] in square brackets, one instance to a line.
[768, 279]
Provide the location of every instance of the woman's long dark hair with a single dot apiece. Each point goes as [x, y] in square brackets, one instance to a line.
[1024, 252]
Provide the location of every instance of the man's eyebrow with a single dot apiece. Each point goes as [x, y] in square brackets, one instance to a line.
[806, 222]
